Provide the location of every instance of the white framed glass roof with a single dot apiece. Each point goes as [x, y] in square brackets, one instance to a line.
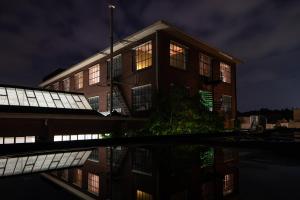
[10, 96]
[10, 166]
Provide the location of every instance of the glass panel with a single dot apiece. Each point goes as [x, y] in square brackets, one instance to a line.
[58, 104]
[57, 157]
[95, 136]
[30, 94]
[53, 165]
[85, 102]
[71, 159]
[88, 136]
[81, 137]
[20, 165]
[3, 163]
[47, 161]
[54, 96]
[49, 99]
[3, 100]
[28, 168]
[31, 160]
[85, 157]
[1, 171]
[22, 97]
[1, 140]
[12, 97]
[76, 98]
[20, 140]
[71, 101]
[3, 91]
[64, 100]
[40, 99]
[39, 162]
[64, 159]
[10, 166]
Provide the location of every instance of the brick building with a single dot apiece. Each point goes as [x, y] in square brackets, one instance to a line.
[146, 63]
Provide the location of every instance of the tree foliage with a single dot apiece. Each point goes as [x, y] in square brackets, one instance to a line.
[178, 113]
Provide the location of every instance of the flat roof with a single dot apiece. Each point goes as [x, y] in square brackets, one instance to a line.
[159, 25]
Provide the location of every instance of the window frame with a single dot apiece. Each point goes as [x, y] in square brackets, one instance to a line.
[203, 64]
[223, 103]
[68, 81]
[225, 75]
[94, 185]
[135, 104]
[94, 74]
[98, 102]
[135, 56]
[185, 55]
[78, 80]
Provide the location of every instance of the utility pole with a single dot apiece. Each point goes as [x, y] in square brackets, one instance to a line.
[111, 8]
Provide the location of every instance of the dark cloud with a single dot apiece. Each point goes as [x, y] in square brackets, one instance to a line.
[37, 36]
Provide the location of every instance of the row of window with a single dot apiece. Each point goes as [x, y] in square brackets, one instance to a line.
[60, 138]
[143, 59]
[93, 180]
[17, 140]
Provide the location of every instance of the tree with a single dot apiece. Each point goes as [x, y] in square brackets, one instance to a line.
[178, 113]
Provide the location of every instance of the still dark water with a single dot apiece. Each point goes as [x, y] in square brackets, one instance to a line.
[186, 172]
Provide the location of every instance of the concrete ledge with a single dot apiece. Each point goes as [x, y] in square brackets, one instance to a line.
[67, 187]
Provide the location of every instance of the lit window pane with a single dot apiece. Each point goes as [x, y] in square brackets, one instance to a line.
[48, 161]
[143, 55]
[57, 157]
[94, 74]
[30, 139]
[85, 157]
[71, 159]
[9, 140]
[57, 138]
[93, 183]
[78, 80]
[28, 168]
[73, 137]
[85, 102]
[31, 160]
[20, 140]
[63, 160]
[88, 136]
[81, 137]
[3, 100]
[66, 138]
[95, 136]
[1, 140]
[177, 55]
[39, 162]
[2, 163]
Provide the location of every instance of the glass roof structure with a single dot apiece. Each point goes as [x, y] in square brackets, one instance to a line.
[13, 96]
[10, 166]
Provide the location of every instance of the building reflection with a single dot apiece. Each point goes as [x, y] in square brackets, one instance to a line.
[175, 172]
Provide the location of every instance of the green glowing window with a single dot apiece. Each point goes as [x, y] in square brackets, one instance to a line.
[206, 99]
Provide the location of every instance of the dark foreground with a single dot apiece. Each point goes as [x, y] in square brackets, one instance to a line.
[33, 187]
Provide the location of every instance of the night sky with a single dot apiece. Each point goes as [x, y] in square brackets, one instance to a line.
[38, 36]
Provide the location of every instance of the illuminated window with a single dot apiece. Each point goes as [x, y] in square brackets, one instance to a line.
[20, 140]
[78, 80]
[9, 140]
[65, 174]
[56, 86]
[140, 195]
[94, 155]
[66, 84]
[94, 74]
[225, 73]
[178, 55]
[93, 183]
[142, 97]
[204, 65]
[77, 177]
[117, 66]
[228, 184]
[226, 103]
[143, 55]
[94, 102]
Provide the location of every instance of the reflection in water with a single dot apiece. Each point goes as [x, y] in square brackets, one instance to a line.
[172, 172]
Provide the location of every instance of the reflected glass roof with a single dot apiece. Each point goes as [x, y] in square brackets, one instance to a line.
[42, 162]
[12, 96]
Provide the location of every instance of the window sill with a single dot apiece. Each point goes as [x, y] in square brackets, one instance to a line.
[143, 69]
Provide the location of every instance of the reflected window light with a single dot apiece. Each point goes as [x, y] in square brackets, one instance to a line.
[20, 140]
[57, 138]
[140, 195]
[9, 140]
[30, 139]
